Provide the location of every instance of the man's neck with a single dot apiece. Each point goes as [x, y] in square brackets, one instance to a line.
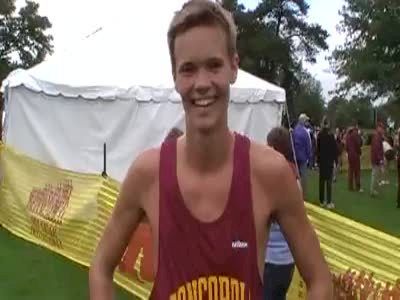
[207, 151]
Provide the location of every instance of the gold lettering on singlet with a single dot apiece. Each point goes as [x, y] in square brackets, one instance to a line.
[234, 289]
[194, 286]
[189, 291]
[182, 293]
[202, 287]
[224, 288]
[212, 287]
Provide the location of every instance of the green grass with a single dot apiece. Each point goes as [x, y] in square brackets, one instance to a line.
[31, 272]
[380, 212]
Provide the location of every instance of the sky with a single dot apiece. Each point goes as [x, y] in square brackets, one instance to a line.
[74, 20]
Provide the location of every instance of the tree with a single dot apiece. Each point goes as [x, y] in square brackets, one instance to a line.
[391, 110]
[369, 60]
[344, 113]
[274, 39]
[309, 99]
[23, 38]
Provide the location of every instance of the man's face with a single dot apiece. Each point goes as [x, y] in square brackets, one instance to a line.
[203, 73]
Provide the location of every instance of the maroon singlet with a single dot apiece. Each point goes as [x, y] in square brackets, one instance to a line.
[216, 260]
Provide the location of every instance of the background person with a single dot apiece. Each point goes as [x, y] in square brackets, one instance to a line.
[279, 262]
[377, 158]
[327, 156]
[302, 147]
[339, 136]
[353, 148]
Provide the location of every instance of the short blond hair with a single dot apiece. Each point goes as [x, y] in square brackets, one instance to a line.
[201, 12]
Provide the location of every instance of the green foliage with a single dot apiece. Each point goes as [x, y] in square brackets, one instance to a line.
[345, 113]
[23, 38]
[274, 39]
[391, 111]
[310, 100]
[370, 58]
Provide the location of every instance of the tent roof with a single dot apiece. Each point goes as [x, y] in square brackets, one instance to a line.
[123, 61]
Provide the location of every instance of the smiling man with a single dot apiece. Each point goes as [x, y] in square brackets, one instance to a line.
[209, 196]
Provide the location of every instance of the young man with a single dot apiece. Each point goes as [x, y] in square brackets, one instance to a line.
[353, 148]
[210, 195]
[279, 261]
[327, 156]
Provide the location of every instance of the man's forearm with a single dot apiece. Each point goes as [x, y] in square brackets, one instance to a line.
[100, 285]
[321, 289]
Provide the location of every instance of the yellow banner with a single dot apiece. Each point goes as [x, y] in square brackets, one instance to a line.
[63, 211]
[66, 212]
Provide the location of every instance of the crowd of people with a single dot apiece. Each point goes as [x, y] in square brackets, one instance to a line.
[318, 147]
[329, 150]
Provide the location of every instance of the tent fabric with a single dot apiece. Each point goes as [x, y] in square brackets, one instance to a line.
[248, 88]
[70, 134]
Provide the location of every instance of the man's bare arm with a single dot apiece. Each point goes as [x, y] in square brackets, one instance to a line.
[125, 218]
[291, 215]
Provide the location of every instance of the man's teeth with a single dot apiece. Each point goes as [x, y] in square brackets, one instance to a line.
[203, 102]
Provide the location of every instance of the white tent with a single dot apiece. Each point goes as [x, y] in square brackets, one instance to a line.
[115, 89]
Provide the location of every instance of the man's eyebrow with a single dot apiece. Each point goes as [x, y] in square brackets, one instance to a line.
[186, 63]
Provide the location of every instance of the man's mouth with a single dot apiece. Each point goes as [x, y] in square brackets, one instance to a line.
[204, 102]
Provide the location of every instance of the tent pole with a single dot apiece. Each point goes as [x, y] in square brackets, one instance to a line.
[291, 139]
[104, 174]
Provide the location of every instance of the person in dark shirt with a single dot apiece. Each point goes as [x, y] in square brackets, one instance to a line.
[340, 147]
[327, 156]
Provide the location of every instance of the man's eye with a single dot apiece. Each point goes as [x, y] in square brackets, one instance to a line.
[187, 69]
[214, 65]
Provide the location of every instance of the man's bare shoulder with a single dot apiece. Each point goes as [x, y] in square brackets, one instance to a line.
[144, 169]
[266, 162]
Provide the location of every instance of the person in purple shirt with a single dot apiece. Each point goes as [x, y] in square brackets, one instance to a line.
[302, 147]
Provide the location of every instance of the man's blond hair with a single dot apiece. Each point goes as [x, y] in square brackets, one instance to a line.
[202, 12]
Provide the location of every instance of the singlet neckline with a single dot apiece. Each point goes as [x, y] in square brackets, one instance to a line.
[228, 206]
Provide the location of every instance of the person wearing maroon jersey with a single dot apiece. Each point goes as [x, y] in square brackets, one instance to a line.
[354, 151]
[211, 194]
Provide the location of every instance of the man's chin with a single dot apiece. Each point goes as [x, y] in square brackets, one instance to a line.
[204, 127]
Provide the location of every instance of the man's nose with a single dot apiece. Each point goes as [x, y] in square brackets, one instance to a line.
[202, 81]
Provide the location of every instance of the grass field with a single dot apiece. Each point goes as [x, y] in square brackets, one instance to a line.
[31, 272]
[380, 212]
